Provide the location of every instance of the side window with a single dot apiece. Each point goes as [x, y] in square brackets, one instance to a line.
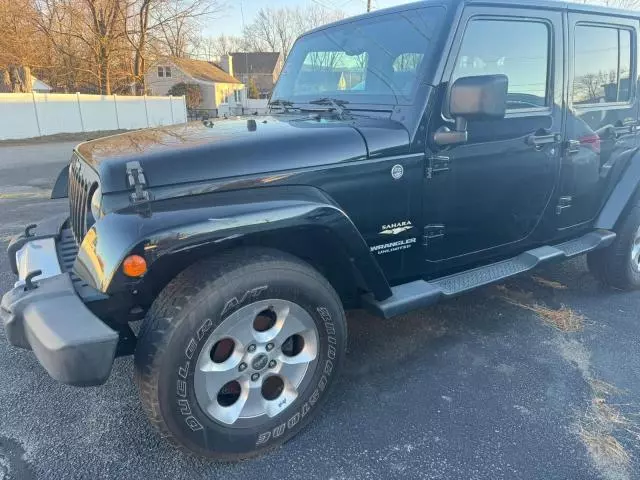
[517, 49]
[602, 65]
[160, 72]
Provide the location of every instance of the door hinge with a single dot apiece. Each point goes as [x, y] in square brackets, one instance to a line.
[437, 164]
[572, 146]
[137, 182]
[563, 204]
[432, 232]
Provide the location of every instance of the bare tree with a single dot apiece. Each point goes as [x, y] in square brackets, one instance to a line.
[86, 28]
[212, 48]
[164, 27]
[171, 26]
[20, 45]
[178, 23]
[105, 30]
[588, 87]
[19, 41]
[105, 46]
[137, 18]
[275, 30]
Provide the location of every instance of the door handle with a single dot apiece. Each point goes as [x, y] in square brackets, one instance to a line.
[628, 128]
[539, 139]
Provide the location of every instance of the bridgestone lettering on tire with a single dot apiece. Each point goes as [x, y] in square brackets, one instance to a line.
[220, 387]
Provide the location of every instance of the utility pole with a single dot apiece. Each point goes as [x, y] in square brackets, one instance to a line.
[246, 62]
[368, 5]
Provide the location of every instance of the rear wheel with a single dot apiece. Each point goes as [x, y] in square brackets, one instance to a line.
[618, 265]
[237, 353]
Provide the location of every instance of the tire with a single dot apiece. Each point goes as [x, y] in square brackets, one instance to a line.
[618, 265]
[202, 315]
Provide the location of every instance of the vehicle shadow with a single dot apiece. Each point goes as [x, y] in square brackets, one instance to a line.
[378, 345]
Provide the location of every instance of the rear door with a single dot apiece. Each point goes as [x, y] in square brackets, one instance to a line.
[492, 191]
[601, 120]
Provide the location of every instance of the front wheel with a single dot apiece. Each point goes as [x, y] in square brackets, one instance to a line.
[237, 353]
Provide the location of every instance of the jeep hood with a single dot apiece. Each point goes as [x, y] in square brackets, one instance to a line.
[195, 152]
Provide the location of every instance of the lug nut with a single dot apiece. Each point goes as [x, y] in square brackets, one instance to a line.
[269, 347]
[242, 367]
[272, 364]
[252, 348]
[255, 377]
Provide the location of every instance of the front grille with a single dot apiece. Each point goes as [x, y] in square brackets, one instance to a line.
[67, 249]
[67, 253]
[79, 189]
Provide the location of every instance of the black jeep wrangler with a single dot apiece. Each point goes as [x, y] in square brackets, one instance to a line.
[410, 155]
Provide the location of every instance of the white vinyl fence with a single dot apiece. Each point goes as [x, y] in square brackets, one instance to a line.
[26, 115]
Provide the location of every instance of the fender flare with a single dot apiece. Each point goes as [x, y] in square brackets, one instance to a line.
[162, 228]
[622, 195]
[61, 187]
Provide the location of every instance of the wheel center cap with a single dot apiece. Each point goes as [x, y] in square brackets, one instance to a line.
[260, 361]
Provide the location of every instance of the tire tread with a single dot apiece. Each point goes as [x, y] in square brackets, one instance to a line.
[611, 265]
[157, 327]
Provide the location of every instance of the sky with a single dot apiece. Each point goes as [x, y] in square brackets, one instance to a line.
[230, 21]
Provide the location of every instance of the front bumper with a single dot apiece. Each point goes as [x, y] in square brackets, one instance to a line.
[72, 344]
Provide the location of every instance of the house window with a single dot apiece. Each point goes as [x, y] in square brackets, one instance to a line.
[236, 96]
[164, 72]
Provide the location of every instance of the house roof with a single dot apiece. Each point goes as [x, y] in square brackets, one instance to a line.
[39, 85]
[255, 62]
[205, 71]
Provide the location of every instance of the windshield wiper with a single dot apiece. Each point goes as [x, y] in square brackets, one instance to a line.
[336, 105]
[285, 104]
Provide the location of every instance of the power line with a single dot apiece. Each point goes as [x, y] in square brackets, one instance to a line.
[323, 5]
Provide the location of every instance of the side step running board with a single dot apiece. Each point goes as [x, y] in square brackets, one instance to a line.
[421, 293]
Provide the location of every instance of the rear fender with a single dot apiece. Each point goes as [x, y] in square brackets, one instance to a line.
[165, 228]
[622, 195]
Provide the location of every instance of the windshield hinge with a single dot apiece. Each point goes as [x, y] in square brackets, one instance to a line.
[137, 182]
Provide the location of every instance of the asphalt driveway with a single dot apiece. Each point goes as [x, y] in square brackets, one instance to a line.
[535, 378]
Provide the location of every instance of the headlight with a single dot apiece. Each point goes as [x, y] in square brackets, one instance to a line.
[96, 200]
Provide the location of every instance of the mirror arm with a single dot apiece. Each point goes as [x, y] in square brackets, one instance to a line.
[444, 136]
[461, 124]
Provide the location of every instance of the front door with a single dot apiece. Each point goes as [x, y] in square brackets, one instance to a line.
[602, 115]
[493, 190]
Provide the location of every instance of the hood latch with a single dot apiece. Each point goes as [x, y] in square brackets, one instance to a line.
[137, 182]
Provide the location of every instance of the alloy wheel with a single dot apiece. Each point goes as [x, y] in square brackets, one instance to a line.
[255, 363]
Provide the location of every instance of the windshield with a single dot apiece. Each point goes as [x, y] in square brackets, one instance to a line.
[376, 60]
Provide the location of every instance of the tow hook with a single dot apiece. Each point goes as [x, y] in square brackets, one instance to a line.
[28, 283]
[28, 228]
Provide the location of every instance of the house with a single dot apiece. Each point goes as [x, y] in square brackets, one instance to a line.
[262, 67]
[221, 91]
[39, 86]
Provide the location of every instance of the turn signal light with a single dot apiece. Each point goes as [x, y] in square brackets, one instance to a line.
[134, 266]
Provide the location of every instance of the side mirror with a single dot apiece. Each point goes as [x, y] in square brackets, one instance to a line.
[477, 98]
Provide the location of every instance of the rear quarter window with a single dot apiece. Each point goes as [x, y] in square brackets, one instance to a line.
[602, 65]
